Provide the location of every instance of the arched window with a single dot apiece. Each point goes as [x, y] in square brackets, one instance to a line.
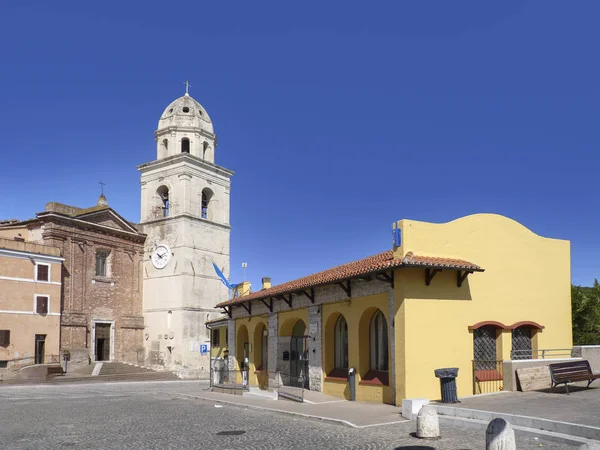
[185, 145]
[204, 209]
[340, 343]
[204, 149]
[484, 347]
[378, 342]
[163, 194]
[521, 343]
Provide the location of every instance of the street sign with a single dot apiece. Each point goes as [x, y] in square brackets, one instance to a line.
[203, 348]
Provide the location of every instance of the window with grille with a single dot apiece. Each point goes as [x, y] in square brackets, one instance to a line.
[379, 342]
[215, 337]
[4, 338]
[3, 364]
[484, 346]
[41, 304]
[101, 263]
[521, 343]
[42, 272]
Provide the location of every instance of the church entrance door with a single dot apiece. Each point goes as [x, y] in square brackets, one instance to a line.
[102, 344]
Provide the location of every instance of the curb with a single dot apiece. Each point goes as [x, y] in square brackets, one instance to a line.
[576, 441]
[569, 433]
[291, 413]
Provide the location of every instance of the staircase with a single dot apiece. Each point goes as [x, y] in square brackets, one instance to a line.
[115, 371]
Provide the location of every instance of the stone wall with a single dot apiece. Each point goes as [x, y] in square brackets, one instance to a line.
[589, 352]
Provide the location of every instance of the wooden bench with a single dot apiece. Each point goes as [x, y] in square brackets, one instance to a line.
[571, 372]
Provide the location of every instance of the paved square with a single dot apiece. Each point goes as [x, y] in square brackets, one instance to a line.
[159, 415]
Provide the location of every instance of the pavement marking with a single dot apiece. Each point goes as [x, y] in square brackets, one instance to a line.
[383, 423]
[324, 403]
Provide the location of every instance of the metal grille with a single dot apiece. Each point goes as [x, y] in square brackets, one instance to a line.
[521, 343]
[484, 344]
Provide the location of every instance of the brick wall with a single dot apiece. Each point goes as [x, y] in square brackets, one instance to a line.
[87, 297]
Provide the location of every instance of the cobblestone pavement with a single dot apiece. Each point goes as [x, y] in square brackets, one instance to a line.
[155, 416]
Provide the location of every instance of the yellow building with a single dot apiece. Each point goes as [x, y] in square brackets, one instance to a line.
[30, 303]
[466, 294]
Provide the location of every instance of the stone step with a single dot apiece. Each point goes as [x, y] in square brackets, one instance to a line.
[122, 368]
[254, 392]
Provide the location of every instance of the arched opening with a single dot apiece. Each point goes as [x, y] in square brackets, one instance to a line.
[204, 150]
[373, 348]
[340, 344]
[205, 210]
[299, 356]
[378, 342]
[185, 145]
[487, 358]
[242, 351]
[522, 342]
[261, 347]
[164, 201]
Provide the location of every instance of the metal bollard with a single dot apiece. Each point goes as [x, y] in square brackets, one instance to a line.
[352, 383]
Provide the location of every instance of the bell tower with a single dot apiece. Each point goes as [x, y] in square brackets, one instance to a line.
[185, 213]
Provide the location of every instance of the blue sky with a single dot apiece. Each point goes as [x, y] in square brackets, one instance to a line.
[337, 117]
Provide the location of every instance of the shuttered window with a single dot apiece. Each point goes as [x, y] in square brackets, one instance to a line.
[41, 305]
[42, 272]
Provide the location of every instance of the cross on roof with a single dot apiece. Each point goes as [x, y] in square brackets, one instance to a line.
[101, 186]
[187, 87]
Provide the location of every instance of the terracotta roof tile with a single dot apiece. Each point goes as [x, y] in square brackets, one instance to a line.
[372, 264]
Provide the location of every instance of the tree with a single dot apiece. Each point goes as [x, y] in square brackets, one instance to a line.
[586, 314]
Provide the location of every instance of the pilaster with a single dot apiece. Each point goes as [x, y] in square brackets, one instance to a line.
[315, 357]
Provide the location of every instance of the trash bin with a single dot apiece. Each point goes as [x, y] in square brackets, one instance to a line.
[447, 378]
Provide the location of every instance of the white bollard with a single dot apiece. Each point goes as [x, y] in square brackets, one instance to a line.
[428, 424]
[500, 436]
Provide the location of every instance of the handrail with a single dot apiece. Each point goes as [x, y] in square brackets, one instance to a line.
[48, 359]
[541, 353]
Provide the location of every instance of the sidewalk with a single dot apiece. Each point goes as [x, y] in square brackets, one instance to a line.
[352, 414]
[581, 407]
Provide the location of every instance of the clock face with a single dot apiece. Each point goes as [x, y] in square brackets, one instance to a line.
[161, 256]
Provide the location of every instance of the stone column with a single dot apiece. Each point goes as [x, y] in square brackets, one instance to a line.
[231, 344]
[315, 357]
[273, 350]
[392, 333]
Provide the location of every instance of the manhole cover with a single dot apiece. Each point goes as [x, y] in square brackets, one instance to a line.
[230, 433]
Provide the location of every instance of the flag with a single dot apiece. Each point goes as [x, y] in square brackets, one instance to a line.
[222, 277]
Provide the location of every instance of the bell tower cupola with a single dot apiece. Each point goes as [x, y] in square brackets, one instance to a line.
[185, 127]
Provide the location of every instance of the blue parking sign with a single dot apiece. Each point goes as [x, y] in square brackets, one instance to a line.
[203, 348]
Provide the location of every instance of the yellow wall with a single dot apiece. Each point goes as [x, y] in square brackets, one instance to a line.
[254, 326]
[526, 278]
[357, 312]
[217, 351]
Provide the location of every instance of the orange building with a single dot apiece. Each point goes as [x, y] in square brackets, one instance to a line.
[30, 303]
